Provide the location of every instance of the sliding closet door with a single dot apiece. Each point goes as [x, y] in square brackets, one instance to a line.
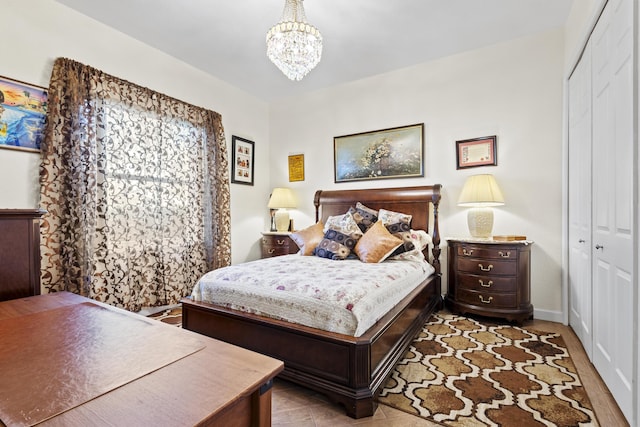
[613, 195]
[580, 301]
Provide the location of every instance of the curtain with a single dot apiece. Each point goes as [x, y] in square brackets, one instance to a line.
[135, 185]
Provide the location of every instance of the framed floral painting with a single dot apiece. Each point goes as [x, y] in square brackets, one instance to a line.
[381, 154]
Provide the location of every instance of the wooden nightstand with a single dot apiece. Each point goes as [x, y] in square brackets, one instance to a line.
[490, 278]
[275, 244]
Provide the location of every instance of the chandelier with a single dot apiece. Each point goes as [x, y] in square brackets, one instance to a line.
[292, 44]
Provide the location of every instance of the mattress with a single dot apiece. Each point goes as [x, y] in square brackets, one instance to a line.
[345, 297]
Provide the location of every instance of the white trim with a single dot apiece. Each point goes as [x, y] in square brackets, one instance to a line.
[549, 315]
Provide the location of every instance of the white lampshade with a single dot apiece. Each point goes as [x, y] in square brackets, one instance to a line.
[480, 193]
[282, 199]
[481, 190]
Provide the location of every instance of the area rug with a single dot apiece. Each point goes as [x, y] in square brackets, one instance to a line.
[462, 372]
[172, 316]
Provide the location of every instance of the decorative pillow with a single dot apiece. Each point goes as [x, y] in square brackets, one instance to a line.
[399, 225]
[364, 216]
[376, 244]
[309, 238]
[420, 240]
[333, 222]
[340, 239]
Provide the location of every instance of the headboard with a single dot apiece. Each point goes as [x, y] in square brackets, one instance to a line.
[419, 202]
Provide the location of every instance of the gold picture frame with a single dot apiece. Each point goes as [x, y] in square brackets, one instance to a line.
[381, 154]
[296, 167]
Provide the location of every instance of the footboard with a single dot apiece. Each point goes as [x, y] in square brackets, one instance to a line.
[348, 370]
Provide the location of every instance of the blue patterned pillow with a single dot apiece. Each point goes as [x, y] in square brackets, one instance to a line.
[365, 217]
[339, 239]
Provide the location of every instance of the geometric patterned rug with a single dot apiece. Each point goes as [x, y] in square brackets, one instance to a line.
[462, 372]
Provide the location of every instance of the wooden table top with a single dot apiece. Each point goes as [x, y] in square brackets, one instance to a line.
[203, 379]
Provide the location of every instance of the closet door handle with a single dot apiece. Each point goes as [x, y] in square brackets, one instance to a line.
[581, 241]
[485, 269]
[599, 247]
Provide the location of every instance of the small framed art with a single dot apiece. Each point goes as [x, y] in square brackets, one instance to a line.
[23, 112]
[296, 167]
[242, 161]
[476, 152]
[380, 154]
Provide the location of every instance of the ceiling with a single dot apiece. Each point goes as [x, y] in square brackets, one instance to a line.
[226, 38]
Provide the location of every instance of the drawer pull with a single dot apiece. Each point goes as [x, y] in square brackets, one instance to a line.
[467, 252]
[485, 301]
[271, 251]
[488, 285]
[505, 254]
[485, 269]
[280, 242]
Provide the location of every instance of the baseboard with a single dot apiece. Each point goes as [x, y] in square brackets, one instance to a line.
[551, 316]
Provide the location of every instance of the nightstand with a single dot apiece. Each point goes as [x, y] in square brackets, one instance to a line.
[490, 278]
[276, 243]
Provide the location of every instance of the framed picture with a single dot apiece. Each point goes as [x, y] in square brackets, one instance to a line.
[380, 154]
[242, 160]
[296, 167]
[475, 152]
[23, 113]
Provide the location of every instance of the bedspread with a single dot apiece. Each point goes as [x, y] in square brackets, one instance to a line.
[346, 297]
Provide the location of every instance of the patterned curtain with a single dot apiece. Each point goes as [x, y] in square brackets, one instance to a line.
[136, 188]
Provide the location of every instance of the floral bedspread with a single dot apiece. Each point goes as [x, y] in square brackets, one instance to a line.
[346, 297]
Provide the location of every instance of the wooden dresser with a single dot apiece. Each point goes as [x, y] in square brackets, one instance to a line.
[19, 253]
[490, 278]
[171, 376]
[275, 244]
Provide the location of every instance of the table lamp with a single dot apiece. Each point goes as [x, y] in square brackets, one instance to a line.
[480, 193]
[281, 199]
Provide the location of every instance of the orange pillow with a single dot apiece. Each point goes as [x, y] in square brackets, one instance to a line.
[309, 238]
[376, 244]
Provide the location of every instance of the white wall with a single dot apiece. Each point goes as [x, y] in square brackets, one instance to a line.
[582, 17]
[512, 90]
[42, 30]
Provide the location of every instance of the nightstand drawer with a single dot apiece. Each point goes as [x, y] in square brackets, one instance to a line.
[277, 244]
[488, 299]
[486, 252]
[487, 283]
[487, 266]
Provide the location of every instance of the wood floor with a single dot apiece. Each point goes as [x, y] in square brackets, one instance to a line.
[296, 406]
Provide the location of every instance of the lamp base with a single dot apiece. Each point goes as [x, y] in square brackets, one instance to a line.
[480, 222]
[282, 220]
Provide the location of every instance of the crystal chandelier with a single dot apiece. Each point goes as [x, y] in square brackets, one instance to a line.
[292, 44]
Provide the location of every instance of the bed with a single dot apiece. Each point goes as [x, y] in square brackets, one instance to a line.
[348, 370]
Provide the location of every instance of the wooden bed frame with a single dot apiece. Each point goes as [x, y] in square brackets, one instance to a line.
[348, 370]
